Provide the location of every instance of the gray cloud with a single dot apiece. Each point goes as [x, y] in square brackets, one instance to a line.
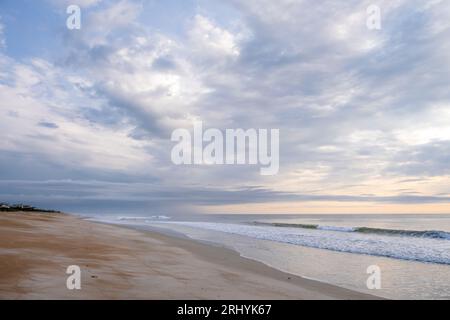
[431, 159]
[353, 105]
[49, 125]
[141, 196]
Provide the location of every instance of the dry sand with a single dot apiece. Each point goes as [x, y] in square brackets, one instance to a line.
[120, 263]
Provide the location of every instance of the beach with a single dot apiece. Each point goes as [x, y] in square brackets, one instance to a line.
[122, 263]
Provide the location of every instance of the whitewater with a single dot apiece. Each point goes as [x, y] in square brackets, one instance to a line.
[376, 243]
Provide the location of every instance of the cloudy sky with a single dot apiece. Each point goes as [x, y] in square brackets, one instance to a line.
[364, 115]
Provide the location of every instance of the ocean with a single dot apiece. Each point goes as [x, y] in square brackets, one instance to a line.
[411, 251]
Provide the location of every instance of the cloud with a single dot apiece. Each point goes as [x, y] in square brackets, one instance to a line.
[359, 111]
[49, 125]
[144, 74]
[431, 159]
[119, 196]
[38, 90]
[209, 39]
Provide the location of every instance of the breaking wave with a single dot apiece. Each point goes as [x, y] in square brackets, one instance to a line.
[432, 234]
[147, 218]
[423, 246]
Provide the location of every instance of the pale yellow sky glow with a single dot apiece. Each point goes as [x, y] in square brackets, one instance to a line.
[329, 208]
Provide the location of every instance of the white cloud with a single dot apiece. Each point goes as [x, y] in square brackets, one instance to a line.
[209, 39]
[39, 92]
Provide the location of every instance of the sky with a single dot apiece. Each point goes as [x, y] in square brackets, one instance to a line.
[364, 114]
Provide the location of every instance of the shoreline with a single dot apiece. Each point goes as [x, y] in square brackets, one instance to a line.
[119, 262]
[171, 234]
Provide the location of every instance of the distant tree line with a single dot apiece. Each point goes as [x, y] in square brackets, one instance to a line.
[22, 207]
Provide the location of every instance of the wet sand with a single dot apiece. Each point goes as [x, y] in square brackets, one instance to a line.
[121, 263]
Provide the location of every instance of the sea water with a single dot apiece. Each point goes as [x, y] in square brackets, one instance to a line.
[411, 251]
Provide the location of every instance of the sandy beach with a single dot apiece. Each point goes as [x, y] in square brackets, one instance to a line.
[120, 263]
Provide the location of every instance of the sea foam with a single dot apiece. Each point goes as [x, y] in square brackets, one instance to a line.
[376, 243]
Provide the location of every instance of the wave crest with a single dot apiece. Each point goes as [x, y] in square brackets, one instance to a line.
[431, 234]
